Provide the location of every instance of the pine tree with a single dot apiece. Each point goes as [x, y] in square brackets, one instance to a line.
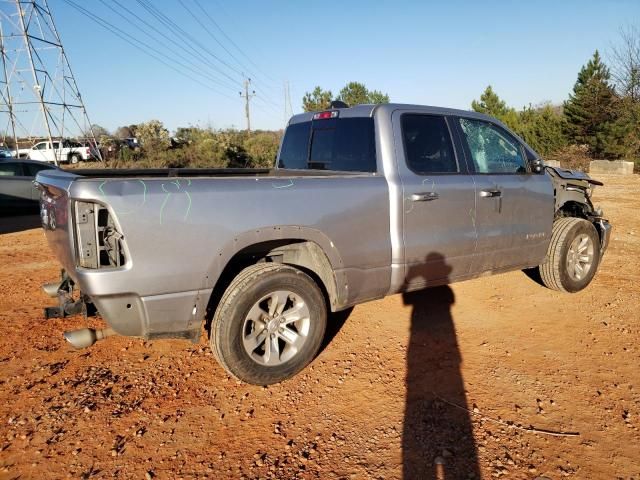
[590, 110]
[543, 128]
[316, 100]
[356, 93]
[353, 93]
[491, 104]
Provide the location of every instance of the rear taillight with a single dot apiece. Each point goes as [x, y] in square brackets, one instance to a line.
[88, 151]
[53, 206]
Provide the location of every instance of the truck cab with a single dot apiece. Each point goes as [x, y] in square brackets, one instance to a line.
[464, 191]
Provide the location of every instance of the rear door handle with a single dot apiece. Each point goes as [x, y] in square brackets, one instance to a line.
[424, 197]
[490, 193]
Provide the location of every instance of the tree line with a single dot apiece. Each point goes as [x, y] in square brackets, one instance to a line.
[599, 119]
[193, 147]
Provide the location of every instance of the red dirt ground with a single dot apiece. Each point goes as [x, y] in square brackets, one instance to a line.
[383, 400]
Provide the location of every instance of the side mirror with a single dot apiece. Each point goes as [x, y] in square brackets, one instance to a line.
[537, 166]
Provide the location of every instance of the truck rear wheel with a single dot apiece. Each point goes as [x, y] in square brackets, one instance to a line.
[573, 256]
[269, 323]
[75, 158]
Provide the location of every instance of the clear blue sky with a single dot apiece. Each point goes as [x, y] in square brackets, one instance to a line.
[436, 53]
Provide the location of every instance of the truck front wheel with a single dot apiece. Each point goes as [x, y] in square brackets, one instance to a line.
[573, 255]
[269, 323]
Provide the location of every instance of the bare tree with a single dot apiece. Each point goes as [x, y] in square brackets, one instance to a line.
[625, 63]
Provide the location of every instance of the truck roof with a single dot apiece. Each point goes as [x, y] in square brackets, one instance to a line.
[368, 110]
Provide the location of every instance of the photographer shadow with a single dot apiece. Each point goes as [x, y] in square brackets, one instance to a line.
[437, 441]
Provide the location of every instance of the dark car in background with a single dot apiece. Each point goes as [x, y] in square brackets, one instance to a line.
[17, 191]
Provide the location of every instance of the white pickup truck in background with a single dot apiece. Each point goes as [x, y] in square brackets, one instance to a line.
[65, 151]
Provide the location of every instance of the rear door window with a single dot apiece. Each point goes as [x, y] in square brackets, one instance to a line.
[339, 144]
[427, 144]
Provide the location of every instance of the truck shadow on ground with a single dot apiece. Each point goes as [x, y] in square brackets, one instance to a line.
[335, 322]
[437, 440]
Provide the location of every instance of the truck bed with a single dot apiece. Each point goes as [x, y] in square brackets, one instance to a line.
[202, 172]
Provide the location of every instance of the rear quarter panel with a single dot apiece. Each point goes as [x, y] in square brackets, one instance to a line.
[181, 232]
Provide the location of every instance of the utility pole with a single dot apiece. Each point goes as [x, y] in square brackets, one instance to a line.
[288, 111]
[247, 96]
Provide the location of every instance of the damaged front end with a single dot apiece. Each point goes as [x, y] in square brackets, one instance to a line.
[573, 191]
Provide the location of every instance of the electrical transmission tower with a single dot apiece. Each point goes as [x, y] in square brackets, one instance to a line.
[39, 96]
[247, 96]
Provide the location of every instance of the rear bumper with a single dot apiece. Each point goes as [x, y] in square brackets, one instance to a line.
[168, 315]
[604, 229]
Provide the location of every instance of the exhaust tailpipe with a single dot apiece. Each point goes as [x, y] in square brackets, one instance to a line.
[52, 288]
[85, 337]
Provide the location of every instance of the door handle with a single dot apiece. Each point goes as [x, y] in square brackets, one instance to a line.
[424, 197]
[490, 193]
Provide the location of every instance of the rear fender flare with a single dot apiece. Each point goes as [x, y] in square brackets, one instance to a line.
[319, 245]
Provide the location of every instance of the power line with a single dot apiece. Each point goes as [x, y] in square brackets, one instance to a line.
[173, 26]
[191, 49]
[230, 40]
[136, 44]
[183, 50]
[199, 22]
[178, 33]
[267, 105]
[190, 65]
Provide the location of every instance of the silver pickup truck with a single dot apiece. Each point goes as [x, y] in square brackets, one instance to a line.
[363, 202]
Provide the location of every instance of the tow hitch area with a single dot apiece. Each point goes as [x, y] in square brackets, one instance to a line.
[67, 305]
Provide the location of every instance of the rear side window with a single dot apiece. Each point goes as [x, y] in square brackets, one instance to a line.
[339, 144]
[427, 144]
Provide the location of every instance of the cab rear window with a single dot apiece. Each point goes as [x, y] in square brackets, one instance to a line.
[339, 144]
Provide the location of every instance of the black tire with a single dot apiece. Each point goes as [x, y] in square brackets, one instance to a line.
[229, 324]
[555, 272]
[74, 158]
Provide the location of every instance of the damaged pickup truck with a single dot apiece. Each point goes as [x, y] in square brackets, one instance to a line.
[363, 202]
